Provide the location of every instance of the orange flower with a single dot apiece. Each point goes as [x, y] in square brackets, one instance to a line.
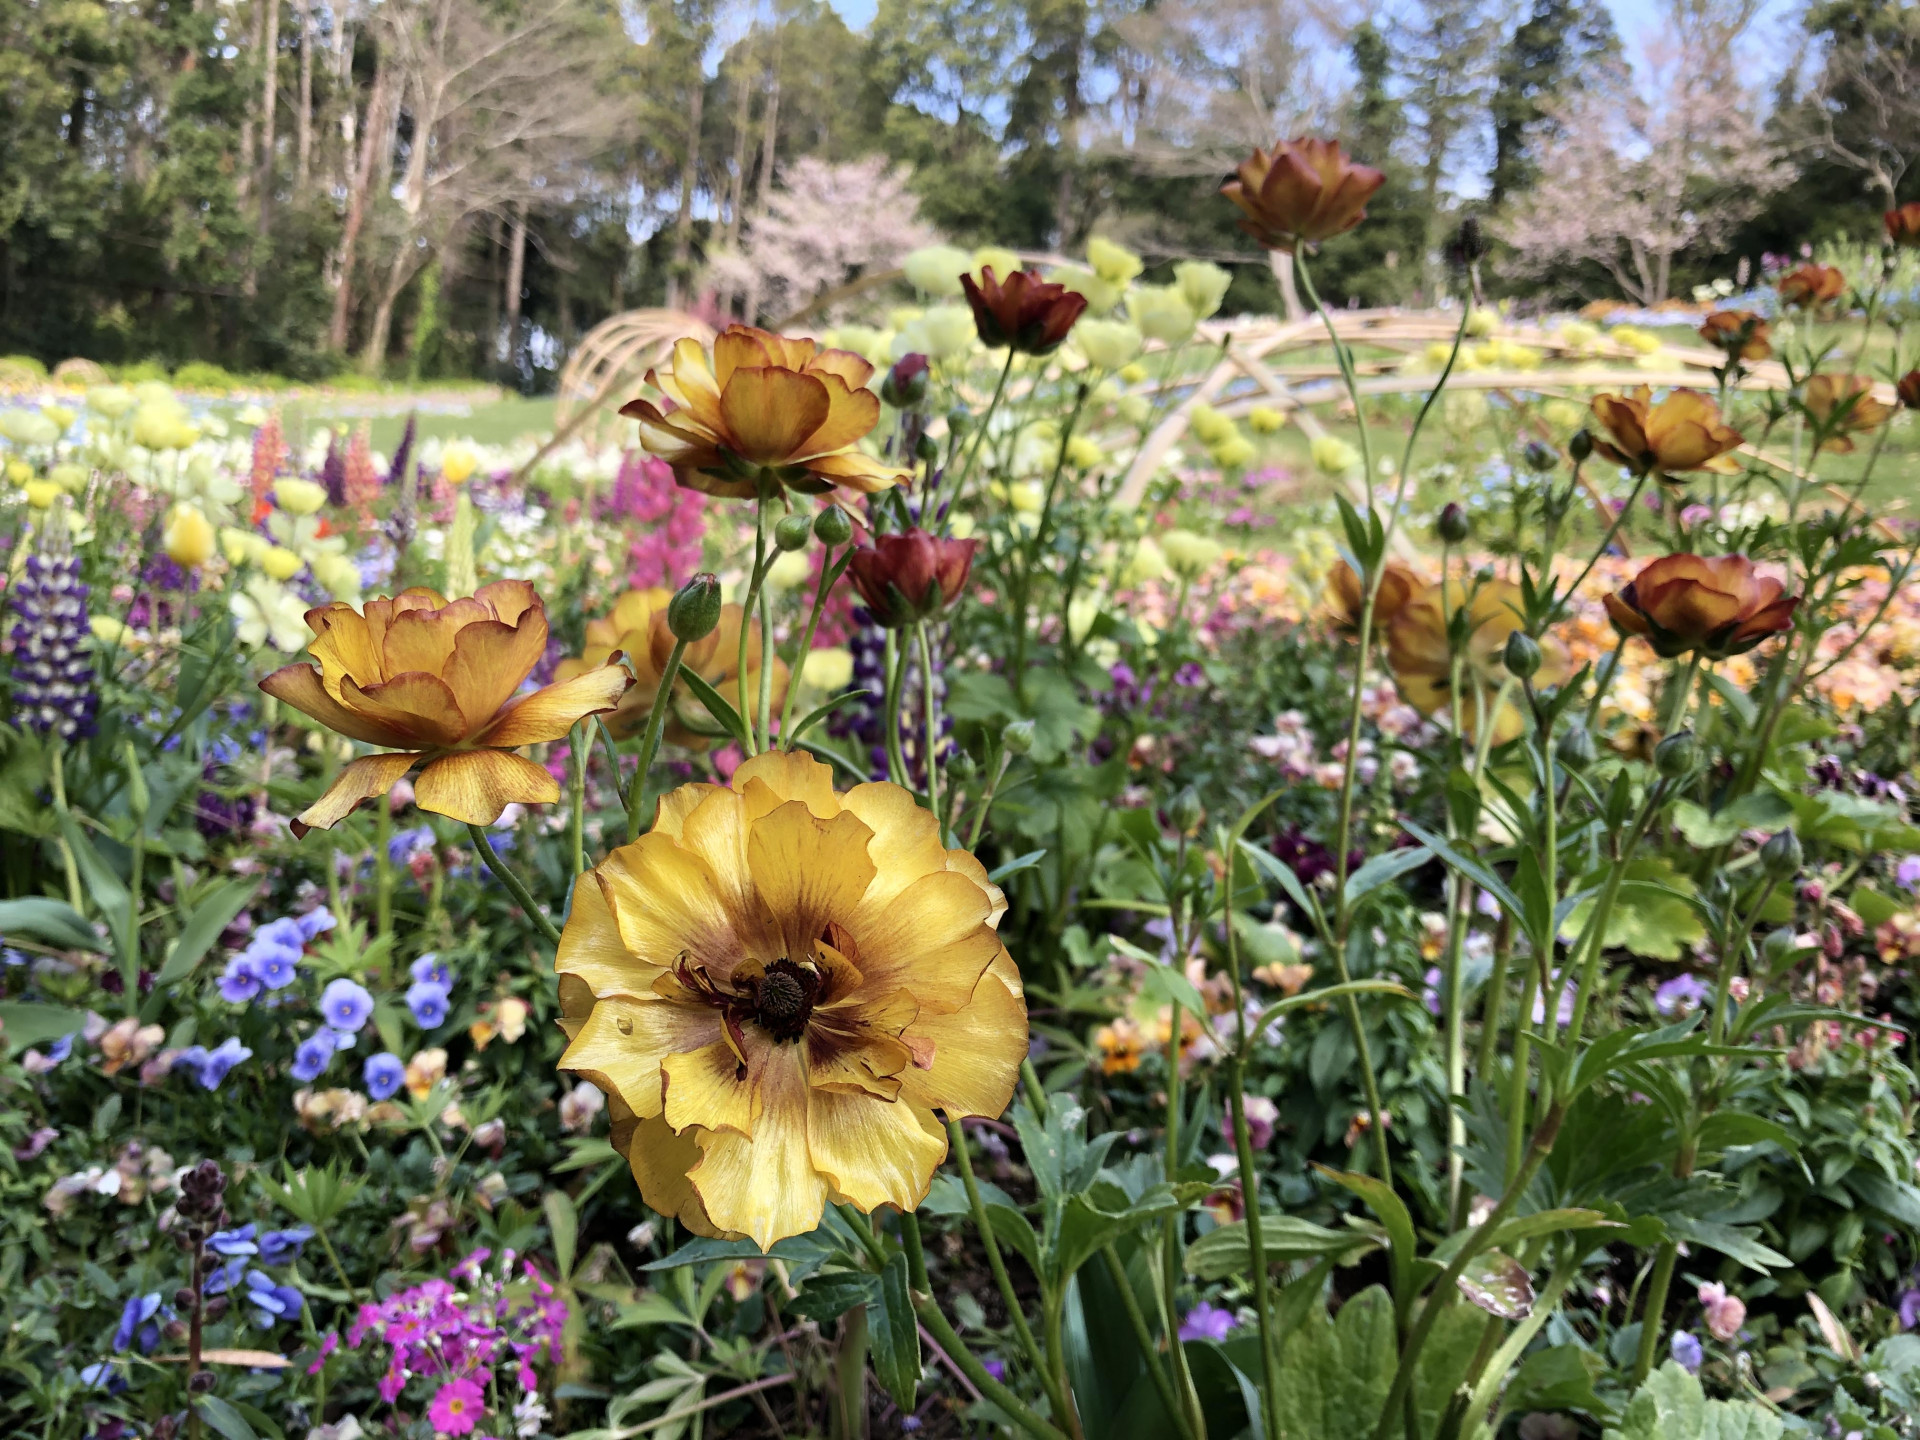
[1903, 224]
[1345, 596]
[1741, 333]
[1907, 387]
[765, 411]
[1683, 432]
[1840, 403]
[1122, 1045]
[1422, 662]
[636, 627]
[436, 681]
[1030, 314]
[1718, 605]
[1811, 286]
[1301, 190]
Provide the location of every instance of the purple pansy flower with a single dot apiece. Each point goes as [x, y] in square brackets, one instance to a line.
[1207, 1322]
[311, 1059]
[384, 1075]
[346, 1006]
[428, 1002]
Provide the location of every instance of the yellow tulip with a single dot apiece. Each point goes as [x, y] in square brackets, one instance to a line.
[69, 477]
[41, 494]
[189, 538]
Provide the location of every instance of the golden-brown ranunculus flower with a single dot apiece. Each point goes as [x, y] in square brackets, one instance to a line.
[1301, 190]
[1345, 597]
[778, 988]
[1717, 605]
[1907, 387]
[436, 682]
[1741, 333]
[764, 411]
[1683, 432]
[1810, 286]
[1903, 224]
[1844, 403]
[636, 627]
[1418, 655]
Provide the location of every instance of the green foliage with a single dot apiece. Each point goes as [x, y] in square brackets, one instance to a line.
[1673, 1406]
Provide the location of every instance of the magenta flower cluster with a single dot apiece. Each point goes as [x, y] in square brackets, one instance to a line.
[455, 1334]
[674, 522]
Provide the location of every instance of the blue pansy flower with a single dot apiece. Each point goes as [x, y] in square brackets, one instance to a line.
[215, 1064]
[238, 1241]
[136, 1324]
[271, 1302]
[430, 969]
[277, 966]
[100, 1375]
[311, 1059]
[277, 1247]
[428, 1002]
[384, 1075]
[239, 982]
[314, 923]
[345, 1005]
[1686, 1351]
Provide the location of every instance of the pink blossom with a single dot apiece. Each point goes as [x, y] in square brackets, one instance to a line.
[1725, 1313]
[456, 1407]
[673, 521]
[327, 1347]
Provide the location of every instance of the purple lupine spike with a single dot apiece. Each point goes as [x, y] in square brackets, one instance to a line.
[51, 672]
[403, 452]
[333, 471]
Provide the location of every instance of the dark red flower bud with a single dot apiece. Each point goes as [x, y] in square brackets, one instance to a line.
[904, 578]
[1908, 386]
[1030, 314]
[906, 384]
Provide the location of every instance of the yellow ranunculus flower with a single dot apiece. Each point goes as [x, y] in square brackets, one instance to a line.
[280, 563]
[1334, 456]
[790, 570]
[1161, 312]
[41, 494]
[108, 630]
[1418, 654]
[778, 988]
[829, 669]
[1107, 344]
[943, 333]
[1084, 454]
[1112, 263]
[1190, 554]
[1204, 284]
[1135, 409]
[19, 472]
[437, 681]
[69, 477]
[936, 269]
[112, 401]
[1483, 322]
[299, 497]
[1101, 295]
[60, 415]
[1148, 562]
[243, 547]
[188, 539]
[1233, 453]
[1133, 372]
[457, 463]
[1266, 420]
[1209, 426]
[338, 574]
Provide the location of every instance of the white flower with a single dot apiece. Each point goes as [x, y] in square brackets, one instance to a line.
[268, 611]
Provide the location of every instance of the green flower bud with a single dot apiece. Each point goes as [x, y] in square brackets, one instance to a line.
[959, 421]
[832, 526]
[1576, 749]
[1017, 737]
[1186, 811]
[1781, 855]
[1779, 947]
[1673, 757]
[1580, 447]
[1522, 655]
[791, 532]
[1452, 526]
[1540, 456]
[926, 449]
[694, 610]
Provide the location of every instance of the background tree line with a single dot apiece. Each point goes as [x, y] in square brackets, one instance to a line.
[463, 187]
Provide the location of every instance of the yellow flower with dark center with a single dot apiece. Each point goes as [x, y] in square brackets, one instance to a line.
[436, 682]
[1422, 663]
[777, 988]
[764, 411]
[636, 627]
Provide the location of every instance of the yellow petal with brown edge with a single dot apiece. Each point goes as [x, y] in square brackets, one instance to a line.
[669, 906]
[850, 415]
[977, 1050]
[423, 639]
[858, 472]
[624, 1043]
[363, 779]
[874, 1152]
[855, 1062]
[422, 705]
[593, 949]
[550, 712]
[490, 660]
[809, 872]
[768, 413]
[350, 641]
[963, 863]
[716, 831]
[692, 383]
[660, 1161]
[474, 786]
[678, 444]
[509, 599]
[765, 1188]
[856, 370]
[300, 686]
[706, 1087]
[740, 348]
[933, 940]
[790, 775]
[906, 837]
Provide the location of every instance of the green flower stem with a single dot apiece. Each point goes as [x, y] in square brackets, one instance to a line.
[1593, 939]
[1030, 552]
[1517, 1072]
[1493, 1018]
[580, 744]
[765, 699]
[937, 1325]
[896, 664]
[515, 887]
[1443, 1290]
[1656, 1307]
[1052, 1306]
[830, 571]
[1342, 357]
[382, 866]
[1170, 1227]
[747, 609]
[1143, 1337]
[932, 713]
[980, 428]
[1508, 1355]
[1036, 1092]
[986, 801]
[957, 1138]
[650, 746]
[1606, 540]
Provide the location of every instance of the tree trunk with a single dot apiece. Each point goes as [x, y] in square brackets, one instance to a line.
[358, 197]
[516, 280]
[269, 109]
[683, 223]
[742, 117]
[495, 284]
[398, 274]
[245, 160]
[303, 116]
[770, 131]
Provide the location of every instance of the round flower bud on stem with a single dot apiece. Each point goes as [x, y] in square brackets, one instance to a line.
[1673, 757]
[1186, 811]
[1522, 655]
[959, 421]
[926, 449]
[1780, 946]
[905, 387]
[694, 610]
[1453, 525]
[1781, 855]
[1580, 446]
[832, 526]
[1540, 456]
[1017, 737]
[790, 533]
[1576, 749]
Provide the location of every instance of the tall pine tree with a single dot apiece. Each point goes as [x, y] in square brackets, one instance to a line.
[1552, 49]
